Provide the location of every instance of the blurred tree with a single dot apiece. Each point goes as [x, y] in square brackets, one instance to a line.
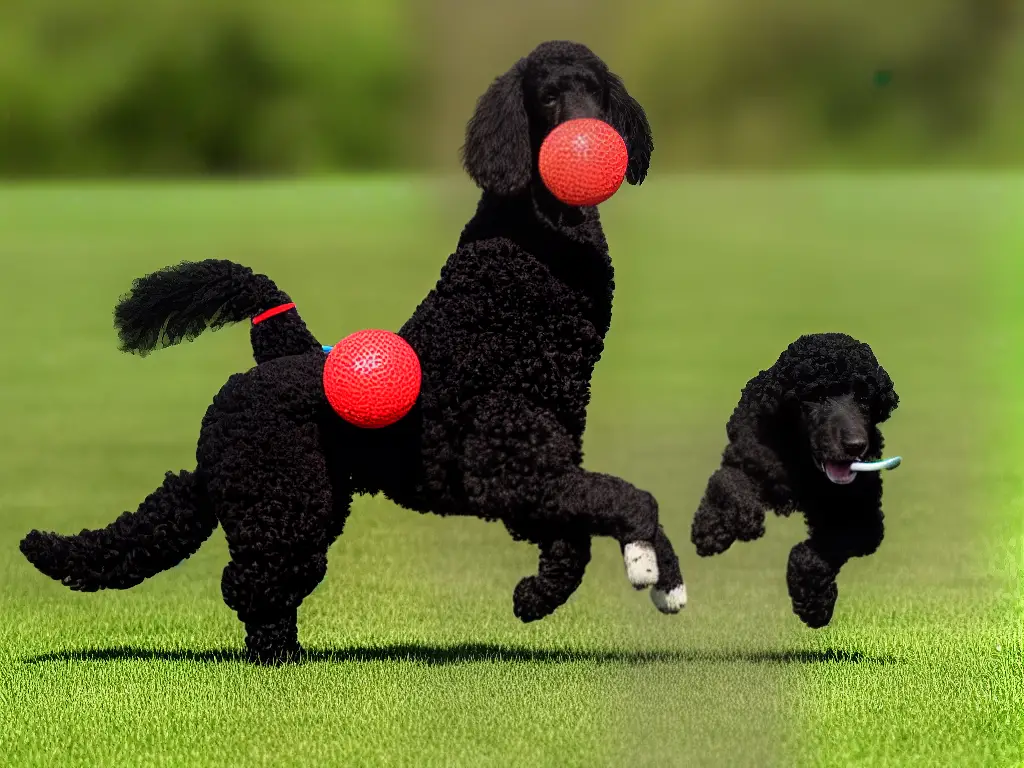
[185, 86]
[790, 82]
[261, 87]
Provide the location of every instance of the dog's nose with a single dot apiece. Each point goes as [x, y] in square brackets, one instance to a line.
[855, 446]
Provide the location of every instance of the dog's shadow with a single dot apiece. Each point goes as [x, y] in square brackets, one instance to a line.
[470, 653]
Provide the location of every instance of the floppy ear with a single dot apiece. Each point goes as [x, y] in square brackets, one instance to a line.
[768, 393]
[885, 400]
[496, 154]
[627, 117]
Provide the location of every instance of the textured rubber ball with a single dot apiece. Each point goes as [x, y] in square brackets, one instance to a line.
[372, 378]
[583, 162]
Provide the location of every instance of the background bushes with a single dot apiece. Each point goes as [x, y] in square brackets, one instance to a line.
[183, 87]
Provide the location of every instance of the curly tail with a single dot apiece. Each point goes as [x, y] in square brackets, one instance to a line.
[168, 527]
[178, 303]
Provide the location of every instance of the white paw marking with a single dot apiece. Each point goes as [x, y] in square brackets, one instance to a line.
[672, 601]
[641, 564]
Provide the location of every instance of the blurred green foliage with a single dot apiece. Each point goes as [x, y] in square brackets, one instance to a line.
[184, 87]
[796, 81]
[187, 86]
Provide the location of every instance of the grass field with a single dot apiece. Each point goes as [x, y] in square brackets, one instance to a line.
[421, 662]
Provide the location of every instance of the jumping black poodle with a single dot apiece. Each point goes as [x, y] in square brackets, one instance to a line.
[508, 340]
[797, 429]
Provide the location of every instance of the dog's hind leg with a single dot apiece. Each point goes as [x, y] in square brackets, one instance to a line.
[280, 512]
[169, 526]
[278, 557]
[559, 574]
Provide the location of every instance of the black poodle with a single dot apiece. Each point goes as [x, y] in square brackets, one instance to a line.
[508, 340]
[792, 438]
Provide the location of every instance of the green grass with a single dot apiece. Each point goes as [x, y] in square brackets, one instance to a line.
[416, 657]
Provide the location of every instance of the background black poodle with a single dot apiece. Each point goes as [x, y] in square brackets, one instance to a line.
[508, 340]
[792, 437]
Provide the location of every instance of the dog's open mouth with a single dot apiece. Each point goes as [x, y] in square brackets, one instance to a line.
[838, 472]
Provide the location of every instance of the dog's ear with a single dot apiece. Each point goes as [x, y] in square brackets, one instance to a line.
[626, 116]
[768, 394]
[885, 400]
[497, 154]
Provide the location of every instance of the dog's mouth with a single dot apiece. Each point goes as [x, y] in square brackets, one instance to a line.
[838, 472]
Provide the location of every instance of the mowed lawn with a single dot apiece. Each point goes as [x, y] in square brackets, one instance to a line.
[415, 656]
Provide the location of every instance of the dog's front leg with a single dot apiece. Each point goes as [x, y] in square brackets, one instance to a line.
[731, 509]
[814, 564]
[811, 579]
[559, 574]
[669, 594]
[520, 465]
[605, 505]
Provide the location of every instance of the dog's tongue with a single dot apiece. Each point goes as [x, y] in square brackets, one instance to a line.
[839, 472]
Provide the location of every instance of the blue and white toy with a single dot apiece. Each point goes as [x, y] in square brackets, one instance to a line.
[876, 466]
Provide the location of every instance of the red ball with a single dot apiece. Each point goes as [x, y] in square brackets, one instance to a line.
[372, 378]
[583, 162]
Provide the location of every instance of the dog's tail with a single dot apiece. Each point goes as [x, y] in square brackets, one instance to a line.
[168, 527]
[178, 303]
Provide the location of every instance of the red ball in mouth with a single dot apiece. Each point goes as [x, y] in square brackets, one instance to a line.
[583, 162]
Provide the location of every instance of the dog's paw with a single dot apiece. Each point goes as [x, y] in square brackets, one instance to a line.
[812, 586]
[274, 657]
[528, 602]
[641, 564]
[816, 610]
[712, 541]
[672, 601]
[708, 547]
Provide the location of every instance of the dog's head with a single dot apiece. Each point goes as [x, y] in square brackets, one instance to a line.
[829, 395]
[558, 81]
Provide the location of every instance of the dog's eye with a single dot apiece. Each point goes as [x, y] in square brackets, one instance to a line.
[549, 99]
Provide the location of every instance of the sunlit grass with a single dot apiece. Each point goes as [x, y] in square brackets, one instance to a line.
[415, 656]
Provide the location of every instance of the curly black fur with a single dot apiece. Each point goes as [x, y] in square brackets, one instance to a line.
[169, 526]
[818, 406]
[507, 340]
